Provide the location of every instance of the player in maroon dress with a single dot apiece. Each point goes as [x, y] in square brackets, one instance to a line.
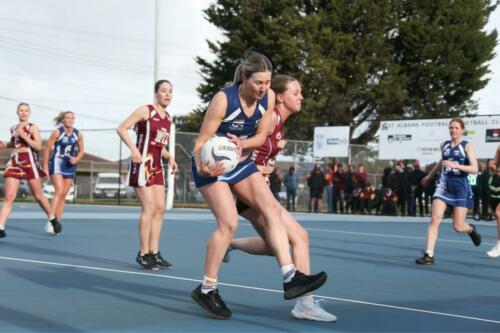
[152, 125]
[23, 164]
[288, 102]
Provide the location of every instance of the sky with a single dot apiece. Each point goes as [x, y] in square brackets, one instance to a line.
[96, 58]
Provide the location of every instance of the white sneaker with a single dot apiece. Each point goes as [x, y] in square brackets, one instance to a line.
[49, 228]
[494, 252]
[311, 311]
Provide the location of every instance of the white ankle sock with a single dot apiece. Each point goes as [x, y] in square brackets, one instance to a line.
[430, 253]
[208, 285]
[288, 272]
[307, 300]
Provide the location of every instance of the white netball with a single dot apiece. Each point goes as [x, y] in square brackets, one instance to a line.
[220, 149]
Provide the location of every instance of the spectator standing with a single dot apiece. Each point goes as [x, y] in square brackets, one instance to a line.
[385, 178]
[329, 186]
[316, 183]
[348, 188]
[339, 179]
[291, 182]
[398, 183]
[416, 189]
[361, 176]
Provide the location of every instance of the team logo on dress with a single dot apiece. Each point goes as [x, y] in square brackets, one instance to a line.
[65, 140]
[278, 136]
[162, 136]
[238, 125]
[446, 152]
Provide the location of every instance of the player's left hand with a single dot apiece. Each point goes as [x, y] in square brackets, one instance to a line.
[236, 141]
[173, 166]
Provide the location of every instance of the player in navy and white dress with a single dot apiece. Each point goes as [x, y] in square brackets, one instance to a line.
[458, 160]
[288, 102]
[65, 147]
[243, 112]
[23, 164]
[152, 125]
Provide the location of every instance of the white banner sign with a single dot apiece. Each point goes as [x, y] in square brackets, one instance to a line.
[331, 141]
[421, 139]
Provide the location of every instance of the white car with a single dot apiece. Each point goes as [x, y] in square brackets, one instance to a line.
[48, 190]
[108, 184]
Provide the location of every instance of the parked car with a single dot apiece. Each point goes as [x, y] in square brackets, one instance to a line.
[107, 185]
[22, 191]
[48, 190]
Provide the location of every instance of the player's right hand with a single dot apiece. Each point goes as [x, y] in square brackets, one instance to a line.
[216, 170]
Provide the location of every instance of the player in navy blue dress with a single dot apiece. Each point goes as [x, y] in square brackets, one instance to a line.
[66, 145]
[458, 159]
[243, 111]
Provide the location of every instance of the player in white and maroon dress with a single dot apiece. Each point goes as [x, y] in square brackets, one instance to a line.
[152, 125]
[288, 102]
[23, 164]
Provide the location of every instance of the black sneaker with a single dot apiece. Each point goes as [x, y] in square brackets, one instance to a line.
[475, 236]
[146, 261]
[302, 284]
[2, 233]
[425, 260]
[212, 303]
[160, 262]
[56, 225]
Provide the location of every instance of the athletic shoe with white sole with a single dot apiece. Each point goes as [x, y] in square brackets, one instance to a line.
[49, 228]
[311, 311]
[494, 252]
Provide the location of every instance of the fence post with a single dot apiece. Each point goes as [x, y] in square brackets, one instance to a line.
[91, 181]
[120, 173]
[170, 175]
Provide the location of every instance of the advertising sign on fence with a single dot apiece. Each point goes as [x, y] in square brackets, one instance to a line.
[421, 139]
[332, 141]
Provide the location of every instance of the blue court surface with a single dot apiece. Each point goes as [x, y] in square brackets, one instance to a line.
[86, 279]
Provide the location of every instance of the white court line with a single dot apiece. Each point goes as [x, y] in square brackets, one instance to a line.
[390, 236]
[252, 288]
[334, 231]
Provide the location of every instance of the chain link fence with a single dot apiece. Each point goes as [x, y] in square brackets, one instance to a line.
[101, 174]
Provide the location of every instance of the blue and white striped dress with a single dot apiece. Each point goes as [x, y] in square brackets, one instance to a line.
[65, 148]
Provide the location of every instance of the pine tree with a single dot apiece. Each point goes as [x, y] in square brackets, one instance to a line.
[360, 62]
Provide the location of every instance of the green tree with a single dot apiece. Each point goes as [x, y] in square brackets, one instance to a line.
[443, 51]
[360, 62]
